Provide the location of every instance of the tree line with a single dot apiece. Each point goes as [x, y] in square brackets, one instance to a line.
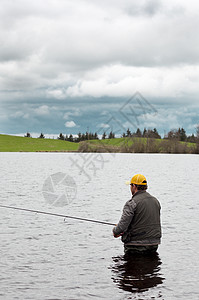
[174, 134]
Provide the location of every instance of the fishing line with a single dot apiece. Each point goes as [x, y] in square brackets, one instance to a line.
[57, 215]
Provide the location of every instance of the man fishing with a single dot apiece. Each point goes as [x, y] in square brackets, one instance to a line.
[139, 225]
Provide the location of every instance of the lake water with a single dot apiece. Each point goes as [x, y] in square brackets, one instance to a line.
[47, 257]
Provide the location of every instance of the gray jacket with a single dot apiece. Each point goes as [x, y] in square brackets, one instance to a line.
[140, 221]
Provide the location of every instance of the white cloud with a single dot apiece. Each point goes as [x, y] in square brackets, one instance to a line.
[42, 110]
[70, 124]
[57, 93]
[26, 116]
[18, 114]
[104, 125]
[73, 113]
[119, 80]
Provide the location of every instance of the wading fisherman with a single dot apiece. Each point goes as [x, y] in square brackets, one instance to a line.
[139, 225]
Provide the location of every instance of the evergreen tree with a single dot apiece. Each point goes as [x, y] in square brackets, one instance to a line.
[41, 136]
[138, 133]
[96, 136]
[27, 134]
[111, 135]
[79, 136]
[87, 135]
[128, 133]
[144, 132]
[104, 136]
[70, 139]
[182, 134]
[61, 137]
[156, 134]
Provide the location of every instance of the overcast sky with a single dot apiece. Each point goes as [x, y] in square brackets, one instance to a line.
[70, 66]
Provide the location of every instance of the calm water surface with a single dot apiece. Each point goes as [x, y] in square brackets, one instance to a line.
[46, 257]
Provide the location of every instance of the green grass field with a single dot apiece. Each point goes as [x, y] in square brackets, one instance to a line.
[132, 145]
[10, 143]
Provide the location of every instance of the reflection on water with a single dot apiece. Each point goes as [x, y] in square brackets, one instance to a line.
[137, 273]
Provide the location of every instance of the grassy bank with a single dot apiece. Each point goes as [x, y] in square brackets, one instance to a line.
[123, 145]
[139, 145]
[16, 144]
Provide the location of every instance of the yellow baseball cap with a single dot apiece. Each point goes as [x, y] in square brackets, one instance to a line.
[138, 179]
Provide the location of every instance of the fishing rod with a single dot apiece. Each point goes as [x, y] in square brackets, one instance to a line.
[57, 215]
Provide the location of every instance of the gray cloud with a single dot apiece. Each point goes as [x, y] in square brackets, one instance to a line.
[149, 8]
[57, 53]
[84, 38]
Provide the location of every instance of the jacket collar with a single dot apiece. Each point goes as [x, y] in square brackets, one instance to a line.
[138, 192]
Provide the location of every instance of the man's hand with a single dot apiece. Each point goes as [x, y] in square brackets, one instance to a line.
[117, 235]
